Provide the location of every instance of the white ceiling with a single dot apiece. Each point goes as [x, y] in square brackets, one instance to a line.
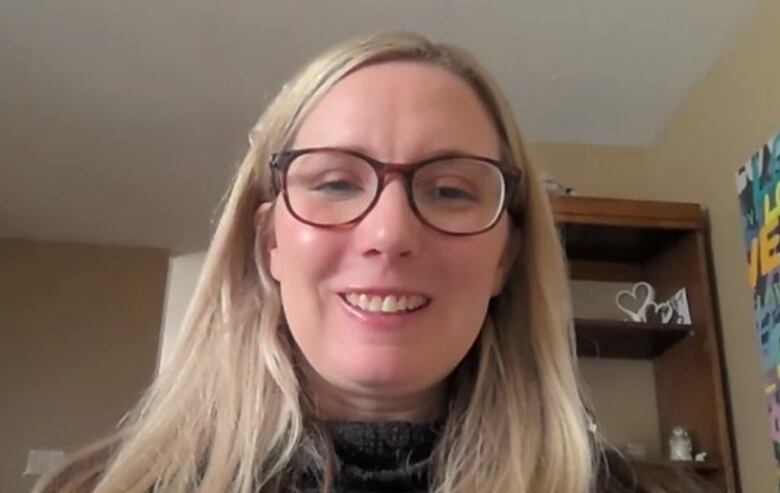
[123, 120]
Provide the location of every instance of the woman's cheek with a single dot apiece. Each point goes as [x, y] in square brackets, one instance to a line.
[302, 250]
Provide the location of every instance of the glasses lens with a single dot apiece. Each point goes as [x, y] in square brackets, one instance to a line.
[459, 195]
[330, 187]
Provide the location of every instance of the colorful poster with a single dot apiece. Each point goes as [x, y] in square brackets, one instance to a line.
[758, 186]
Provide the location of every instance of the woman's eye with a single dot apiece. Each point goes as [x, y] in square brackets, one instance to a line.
[451, 192]
[336, 186]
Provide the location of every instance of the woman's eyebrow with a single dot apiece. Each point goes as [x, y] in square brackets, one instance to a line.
[430, 153]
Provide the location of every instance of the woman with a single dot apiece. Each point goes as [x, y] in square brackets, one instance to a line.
[383, 307]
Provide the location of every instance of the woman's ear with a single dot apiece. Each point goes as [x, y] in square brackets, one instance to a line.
[508, 258]
[261, 218]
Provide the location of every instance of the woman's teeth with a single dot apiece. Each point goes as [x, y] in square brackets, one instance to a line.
[386, 304]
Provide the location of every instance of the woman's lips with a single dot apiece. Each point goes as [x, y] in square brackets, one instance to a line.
[385, 302]
[383, 320]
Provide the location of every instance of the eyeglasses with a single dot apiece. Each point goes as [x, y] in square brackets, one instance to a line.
[456, 194]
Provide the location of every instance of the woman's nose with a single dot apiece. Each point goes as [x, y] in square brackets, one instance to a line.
[391, 228]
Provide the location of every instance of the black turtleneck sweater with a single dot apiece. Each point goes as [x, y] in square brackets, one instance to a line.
[381, 457]
[395, 457]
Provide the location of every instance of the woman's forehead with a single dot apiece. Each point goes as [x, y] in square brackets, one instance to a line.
[400, 109]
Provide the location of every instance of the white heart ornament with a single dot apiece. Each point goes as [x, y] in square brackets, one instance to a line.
[666, 310]
[640, 314]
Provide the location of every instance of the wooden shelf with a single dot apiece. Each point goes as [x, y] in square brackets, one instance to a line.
[706, 466]
[626, 213]
[615, 244]
[666, 244]
[619, 231]
[626, 340]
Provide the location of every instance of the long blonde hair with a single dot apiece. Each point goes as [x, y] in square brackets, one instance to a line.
[228, 413]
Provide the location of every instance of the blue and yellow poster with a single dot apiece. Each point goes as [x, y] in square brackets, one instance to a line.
[758, 186]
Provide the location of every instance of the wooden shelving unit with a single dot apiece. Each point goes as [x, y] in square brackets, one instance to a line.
[634, 340]
[705, 468]
[666, 244]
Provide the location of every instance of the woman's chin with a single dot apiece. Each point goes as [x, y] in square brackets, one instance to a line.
[380, 374]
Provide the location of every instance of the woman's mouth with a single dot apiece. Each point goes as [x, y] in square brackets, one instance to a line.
[385, 304]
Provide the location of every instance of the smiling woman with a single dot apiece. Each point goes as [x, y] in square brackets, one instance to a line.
[415, 230]
[384, 305]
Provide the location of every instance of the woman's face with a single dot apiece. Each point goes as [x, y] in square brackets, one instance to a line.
[396, 112]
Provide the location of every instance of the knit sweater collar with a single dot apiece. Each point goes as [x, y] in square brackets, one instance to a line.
[389, 456]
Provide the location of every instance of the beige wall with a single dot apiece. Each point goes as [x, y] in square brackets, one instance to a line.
[727, 117]
[594, 170]
[79, 329]
[183, 273]
[733, 111]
